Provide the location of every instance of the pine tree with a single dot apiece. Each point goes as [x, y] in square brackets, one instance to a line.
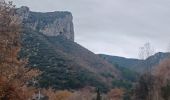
[166, 92]
[98, 95]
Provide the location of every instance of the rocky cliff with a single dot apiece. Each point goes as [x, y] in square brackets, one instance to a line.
[50, 23]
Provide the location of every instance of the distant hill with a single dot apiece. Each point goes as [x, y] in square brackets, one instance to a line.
[136, 64]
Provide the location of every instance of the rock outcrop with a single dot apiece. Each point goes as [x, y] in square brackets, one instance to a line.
[49, 23]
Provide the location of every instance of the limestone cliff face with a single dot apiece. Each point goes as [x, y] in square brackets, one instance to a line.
[49, 23]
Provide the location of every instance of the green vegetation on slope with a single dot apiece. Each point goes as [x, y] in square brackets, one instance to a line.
[59, 69]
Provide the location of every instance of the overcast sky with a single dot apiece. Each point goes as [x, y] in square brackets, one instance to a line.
[115, 27]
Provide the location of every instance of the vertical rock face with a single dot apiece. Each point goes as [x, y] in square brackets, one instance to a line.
[50, 23]
[23, 12]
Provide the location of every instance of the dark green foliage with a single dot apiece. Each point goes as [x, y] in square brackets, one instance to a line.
[127, 95]
[144, 86]
[166, 92]
[123, 65]
[108, 75]
[127, 74]
[121, 61]
[121, 84]
[59, 70]
[98, 97]
[129, 77]
[136, 65]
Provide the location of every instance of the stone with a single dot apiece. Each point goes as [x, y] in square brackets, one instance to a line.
[49, 23]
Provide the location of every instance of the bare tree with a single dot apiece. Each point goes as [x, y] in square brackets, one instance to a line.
[144, 52]
[168, 48]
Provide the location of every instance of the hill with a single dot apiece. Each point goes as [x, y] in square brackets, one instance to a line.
[48, 43]
[137, 64]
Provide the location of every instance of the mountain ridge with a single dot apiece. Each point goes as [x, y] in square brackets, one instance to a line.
[137, 64]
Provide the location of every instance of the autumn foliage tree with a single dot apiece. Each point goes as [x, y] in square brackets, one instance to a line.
[160, 87]
[162, 74]
[13, 73]
[57, 95]
[115, 94]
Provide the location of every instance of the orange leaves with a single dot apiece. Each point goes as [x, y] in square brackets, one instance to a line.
[9, 40]
[13, 91]
[154, 86]
[86, 93]
[14, 75]
[61, 95]
[162, 72]
[2, 86]
[57, 95]
[116, 94]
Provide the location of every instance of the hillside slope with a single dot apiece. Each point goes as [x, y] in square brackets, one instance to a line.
[64, 63]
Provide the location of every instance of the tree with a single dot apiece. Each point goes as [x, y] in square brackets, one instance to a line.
[86, 93]
[57, 95]
[168, 48]
[115, 94]
[144, 87]
[166, 92]
[156, 86]
[14, 75]
[144, 52]
[98, 95]
[162, 74]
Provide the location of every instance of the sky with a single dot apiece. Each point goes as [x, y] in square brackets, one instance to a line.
[114, 27]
